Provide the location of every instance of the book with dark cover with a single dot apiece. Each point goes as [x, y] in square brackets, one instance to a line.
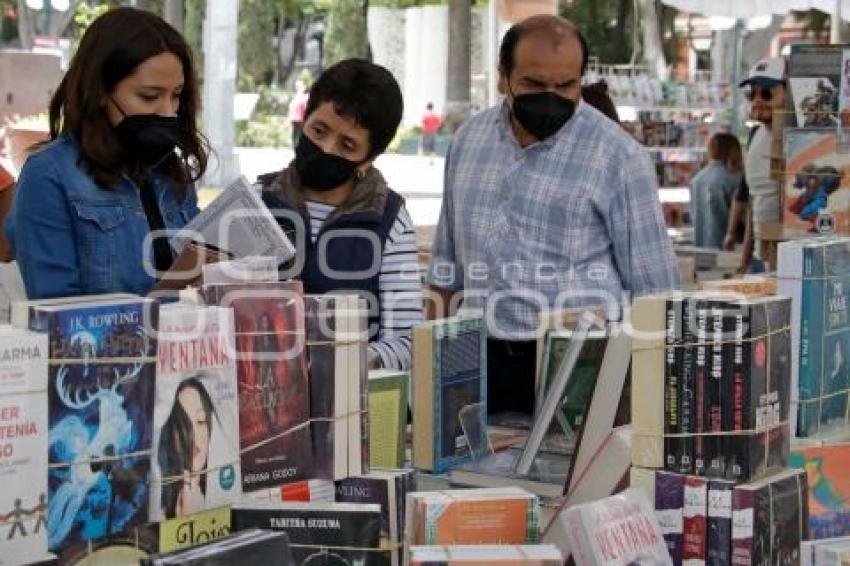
[719, 543]
[100, 413]
[274, 400]
[701, 351]
[350, 532]
[252, 547]
[713, 406]
[673, 367]
[669, 503]
[770, 519]
[695, 520]
[368, 489]
[765, 442]
[449, 374]
[687, 388]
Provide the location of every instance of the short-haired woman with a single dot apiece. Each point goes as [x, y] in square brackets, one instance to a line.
[357, 234]
[713, 188]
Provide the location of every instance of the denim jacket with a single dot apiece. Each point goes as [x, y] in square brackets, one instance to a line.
[72, 237]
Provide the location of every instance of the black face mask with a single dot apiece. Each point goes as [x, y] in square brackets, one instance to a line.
[542, 114]
[148, 138]
[318, 170]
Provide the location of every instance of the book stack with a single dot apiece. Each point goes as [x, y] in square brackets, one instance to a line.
[100, 412]
[503, 555]
[388, 489]
[815, 273]
[329, 533]
[825, 552]
[749, 285]
[472, 516]
[274, 408]
[336, 353]
[23, 464]
[196, 414]
[449, 374]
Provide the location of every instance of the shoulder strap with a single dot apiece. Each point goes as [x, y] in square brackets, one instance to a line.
[391, 210]
[751, 135]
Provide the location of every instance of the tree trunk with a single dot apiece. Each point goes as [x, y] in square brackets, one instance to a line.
[620, 32]
[25, 29]
[285, 68]
[173, 13]
[458, 79]
[653, 51]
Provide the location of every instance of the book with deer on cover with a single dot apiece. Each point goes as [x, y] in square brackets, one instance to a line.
[100, 394]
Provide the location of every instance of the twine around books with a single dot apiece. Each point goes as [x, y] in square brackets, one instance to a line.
[750, 340]
[100, 361]
[385, 546]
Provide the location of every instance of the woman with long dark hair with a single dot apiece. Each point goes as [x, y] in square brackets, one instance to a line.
[94, 203]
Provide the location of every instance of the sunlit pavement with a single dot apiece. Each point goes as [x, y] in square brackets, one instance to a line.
[418, 179]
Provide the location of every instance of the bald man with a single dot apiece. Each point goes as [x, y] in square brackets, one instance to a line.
[547, 204]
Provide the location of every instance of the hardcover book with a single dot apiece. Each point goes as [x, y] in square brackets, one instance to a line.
[770, 519]
[829, 488]
[196, 415]
[330, 533]
[274, 401]
[816, 194]
[472, 516]
[23, 446]
[100, 413]
[615, 531]
[449, 373]
[816, 274]
[252, 547]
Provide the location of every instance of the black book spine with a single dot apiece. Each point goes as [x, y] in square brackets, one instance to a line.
[719, 552]
[758, 407]
[687, 422]
[672, 387]
[738, 395]
[714, 393]
[702, 354]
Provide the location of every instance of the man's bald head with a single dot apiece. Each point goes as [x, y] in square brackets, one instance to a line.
[555, 29]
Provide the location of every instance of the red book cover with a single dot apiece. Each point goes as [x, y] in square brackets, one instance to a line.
[695, 512]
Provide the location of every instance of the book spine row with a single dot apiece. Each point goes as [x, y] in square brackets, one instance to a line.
[673, 362]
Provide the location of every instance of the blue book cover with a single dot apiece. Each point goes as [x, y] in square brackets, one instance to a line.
[459, 381]
[100, 412]
[824, 338]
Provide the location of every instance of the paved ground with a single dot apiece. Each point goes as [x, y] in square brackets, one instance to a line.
[418, 179]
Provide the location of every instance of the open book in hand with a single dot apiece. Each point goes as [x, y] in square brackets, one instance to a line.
[237, 222]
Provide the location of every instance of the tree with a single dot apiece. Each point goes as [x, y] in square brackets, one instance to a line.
[605, 25]
[346, 35]
[256, 52]
[458, 79]
[653, 48]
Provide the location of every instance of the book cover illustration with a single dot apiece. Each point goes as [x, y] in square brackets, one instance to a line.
[193, 530]
[824, 338]
[196, 415]
[332, 533]
[23, 446]
[770, 519]
[274, 400]
[829, 488]
[815, 77]
[100, 392]
[817, 187]
[459, 362]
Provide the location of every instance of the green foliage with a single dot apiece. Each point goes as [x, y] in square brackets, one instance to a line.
[256, 51]
[83, 18]
[273, 101]
[606, 25]
[267, 131]
[345, 35]
[193, 26]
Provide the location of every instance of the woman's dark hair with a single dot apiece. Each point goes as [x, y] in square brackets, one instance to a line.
[596, 95]
[366, 93]
[111, 49]
[175, 445]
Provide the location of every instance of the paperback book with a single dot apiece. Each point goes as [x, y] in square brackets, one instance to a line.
[826, 469]
[196, 415]
[669, 511]
[388, 405]
[815, 83]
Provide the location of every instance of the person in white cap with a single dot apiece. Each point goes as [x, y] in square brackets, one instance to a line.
[766, 92]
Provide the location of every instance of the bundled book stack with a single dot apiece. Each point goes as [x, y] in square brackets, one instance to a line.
[710, 413]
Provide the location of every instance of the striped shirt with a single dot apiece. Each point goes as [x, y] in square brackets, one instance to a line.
[400, 287]
[571, 221]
